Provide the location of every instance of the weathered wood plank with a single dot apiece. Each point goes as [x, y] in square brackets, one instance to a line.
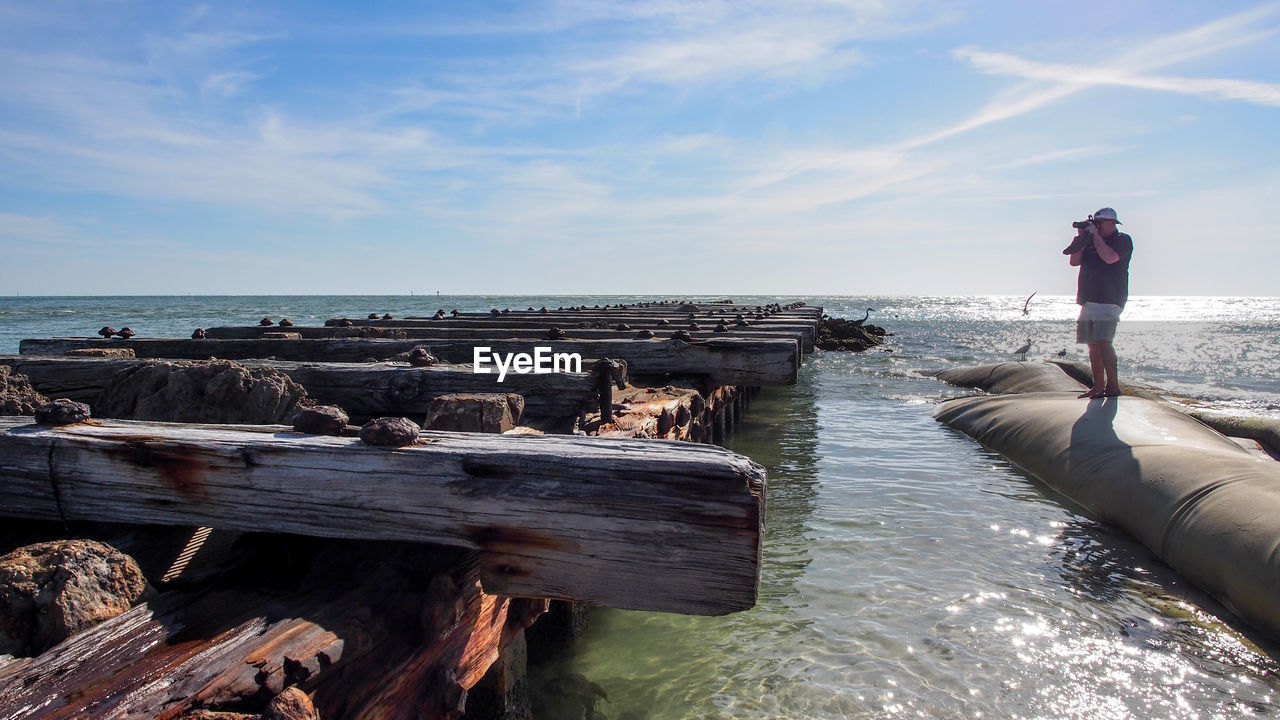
[428, 332]
[677, 322]
[726, 361]
[637, 524]
[349, 642]
[362, 389]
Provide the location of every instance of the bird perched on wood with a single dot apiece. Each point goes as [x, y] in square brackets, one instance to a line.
[1022, 351]
[858, 323]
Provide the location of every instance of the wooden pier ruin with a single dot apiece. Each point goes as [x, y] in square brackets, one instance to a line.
[411, 573]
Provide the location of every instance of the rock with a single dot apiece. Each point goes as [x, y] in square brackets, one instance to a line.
[345, 322]
[125, 333]
[422, 357]
[645, 334]
[107, 331]
[373, 316]
[622, 326]
[475, 412]
[387, 316]
[264, 322]
[683, 415]
[62, 412]
[555, 333]
[51, 590]
[320, 420]
[389, 431]
[846, 335]
[198, 334]
[682, 335]
[291, 704]
[213, 391]
[422, 353]
[17, 397]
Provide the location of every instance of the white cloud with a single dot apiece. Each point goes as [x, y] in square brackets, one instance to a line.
[1086, 75]
[226, 84]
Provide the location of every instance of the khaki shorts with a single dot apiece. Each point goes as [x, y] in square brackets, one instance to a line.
[1097, 322]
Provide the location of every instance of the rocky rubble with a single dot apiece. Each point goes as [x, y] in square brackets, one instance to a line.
[848, 335]
[212, 391]
[17, 397]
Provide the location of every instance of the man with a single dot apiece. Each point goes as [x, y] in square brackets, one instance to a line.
[1102, 252]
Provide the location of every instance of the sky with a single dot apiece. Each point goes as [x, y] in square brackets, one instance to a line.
[663, 147]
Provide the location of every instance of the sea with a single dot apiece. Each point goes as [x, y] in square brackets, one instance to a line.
[908, 572]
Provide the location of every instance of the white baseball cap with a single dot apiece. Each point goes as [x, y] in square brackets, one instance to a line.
[1107, 214]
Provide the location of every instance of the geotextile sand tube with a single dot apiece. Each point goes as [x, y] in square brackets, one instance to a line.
[1208, 508]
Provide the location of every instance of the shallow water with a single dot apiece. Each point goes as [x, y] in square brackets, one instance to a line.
[907, 571]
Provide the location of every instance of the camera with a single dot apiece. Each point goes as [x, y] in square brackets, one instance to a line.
[1081, 240]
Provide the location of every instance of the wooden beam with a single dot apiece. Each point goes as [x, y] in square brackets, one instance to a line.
[361, 389]
[726, 361]
[676, 322]
[649, 525]
[465, 330]
[387, 646]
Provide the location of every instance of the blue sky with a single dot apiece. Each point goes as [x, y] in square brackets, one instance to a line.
[664, 147]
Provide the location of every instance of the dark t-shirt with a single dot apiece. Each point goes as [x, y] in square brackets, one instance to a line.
[1103, 282]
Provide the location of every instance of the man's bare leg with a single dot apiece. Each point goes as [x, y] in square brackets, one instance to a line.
[1097, 365]
[1109, 364]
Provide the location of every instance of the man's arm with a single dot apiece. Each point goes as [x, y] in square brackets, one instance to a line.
[1105, 251]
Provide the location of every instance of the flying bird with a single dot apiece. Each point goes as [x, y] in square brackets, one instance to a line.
[1028, 302]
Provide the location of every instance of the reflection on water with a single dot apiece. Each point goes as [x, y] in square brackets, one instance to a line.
[909, 572]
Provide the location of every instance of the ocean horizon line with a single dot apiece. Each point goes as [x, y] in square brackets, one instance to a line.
[618, 295]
